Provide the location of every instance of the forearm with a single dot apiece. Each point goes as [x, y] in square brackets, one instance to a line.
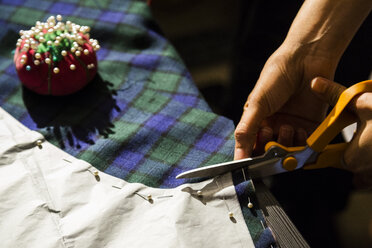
[326, 27]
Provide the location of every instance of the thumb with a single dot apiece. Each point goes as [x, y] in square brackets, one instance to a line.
[246, 131]
[328, 90]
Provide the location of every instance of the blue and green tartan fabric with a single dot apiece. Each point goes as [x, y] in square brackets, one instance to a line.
[142, 119]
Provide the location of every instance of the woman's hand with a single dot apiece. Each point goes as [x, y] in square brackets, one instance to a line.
[281, 106]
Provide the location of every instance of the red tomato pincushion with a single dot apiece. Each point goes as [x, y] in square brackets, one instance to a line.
[56, 58]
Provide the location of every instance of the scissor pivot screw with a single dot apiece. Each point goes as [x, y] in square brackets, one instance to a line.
[290, 163]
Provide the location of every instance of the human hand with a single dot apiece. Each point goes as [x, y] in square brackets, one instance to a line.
[281, 106]
[358, 155]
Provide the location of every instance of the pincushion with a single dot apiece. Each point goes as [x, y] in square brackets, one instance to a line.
[56, 58]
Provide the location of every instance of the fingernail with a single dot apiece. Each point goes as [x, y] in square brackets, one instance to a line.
[319, 85]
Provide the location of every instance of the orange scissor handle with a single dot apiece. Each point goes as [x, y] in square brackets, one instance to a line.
[331, 156]
[338, 119]
[289, 163]
[285, 148]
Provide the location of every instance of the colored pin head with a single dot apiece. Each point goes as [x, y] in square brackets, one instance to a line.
[62, 55]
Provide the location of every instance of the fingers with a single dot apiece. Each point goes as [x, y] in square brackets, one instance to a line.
[361, 105]
[327, 89]
[286, 135]
[300, 137]
[246, 132]
[357, 156]
[270, 93]
[331, 91]
[265, 135]
[249, 132]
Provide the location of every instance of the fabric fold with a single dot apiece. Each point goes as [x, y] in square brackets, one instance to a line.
[51, 199]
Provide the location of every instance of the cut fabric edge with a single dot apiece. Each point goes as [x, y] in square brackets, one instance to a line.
[226, 193]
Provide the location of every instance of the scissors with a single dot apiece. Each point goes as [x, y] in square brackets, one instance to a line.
[317, 153]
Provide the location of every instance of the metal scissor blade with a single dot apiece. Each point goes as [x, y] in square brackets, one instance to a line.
[218, 169]
[265, 169]
[306, 155]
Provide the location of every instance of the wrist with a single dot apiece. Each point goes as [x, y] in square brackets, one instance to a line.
[311, 57]
[324, 28]
[323, 51]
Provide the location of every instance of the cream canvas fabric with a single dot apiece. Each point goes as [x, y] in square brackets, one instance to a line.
[51, 199]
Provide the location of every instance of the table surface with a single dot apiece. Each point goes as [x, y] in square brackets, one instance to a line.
[141, 119]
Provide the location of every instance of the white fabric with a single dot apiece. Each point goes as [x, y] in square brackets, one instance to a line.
[51, 199]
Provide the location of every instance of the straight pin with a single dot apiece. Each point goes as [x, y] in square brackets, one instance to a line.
[164, 196]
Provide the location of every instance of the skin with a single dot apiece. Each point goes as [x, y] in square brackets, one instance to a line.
[282, 105]
[358, 155]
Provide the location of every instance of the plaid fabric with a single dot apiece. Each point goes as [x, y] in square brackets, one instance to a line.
[142, 119]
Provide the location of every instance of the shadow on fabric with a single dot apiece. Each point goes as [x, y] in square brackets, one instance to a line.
[82, 116]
